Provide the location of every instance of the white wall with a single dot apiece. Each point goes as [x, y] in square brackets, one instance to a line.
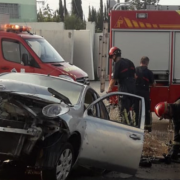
[91, 27]
[83, 53]
[43, 25]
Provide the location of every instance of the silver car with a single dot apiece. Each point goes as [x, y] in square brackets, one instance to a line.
[55, 125]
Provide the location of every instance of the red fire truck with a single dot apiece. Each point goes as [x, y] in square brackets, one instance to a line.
[152, 33]
[22, 51]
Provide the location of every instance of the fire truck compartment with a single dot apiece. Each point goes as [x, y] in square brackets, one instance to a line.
[155, 45]
[176, 70]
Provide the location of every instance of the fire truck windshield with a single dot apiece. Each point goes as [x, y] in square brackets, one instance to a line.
[44, 50]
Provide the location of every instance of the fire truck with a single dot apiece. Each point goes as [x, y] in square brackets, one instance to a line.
[152, 33]
[22, 51]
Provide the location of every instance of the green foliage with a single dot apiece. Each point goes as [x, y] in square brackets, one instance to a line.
[61, 10]
[98, 16]
[74, 22]
[77, 8]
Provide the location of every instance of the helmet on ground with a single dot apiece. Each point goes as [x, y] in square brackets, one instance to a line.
[114, 51]
[160, 109]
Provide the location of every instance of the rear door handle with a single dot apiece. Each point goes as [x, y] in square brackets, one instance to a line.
[135, 137]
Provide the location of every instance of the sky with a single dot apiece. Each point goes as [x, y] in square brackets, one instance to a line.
[54, 4]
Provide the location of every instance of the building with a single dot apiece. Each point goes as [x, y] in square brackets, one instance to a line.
[19, 10]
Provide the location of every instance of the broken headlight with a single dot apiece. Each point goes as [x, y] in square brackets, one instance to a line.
[54, 110]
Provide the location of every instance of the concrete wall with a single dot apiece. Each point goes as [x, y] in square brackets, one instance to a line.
[27, 10]
[83, 53]
[91, 27]
[43, 25]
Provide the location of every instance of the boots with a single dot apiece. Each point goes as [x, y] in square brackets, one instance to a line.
[173, 153]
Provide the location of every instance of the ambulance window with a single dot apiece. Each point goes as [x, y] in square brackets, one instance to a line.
[23, 52]
[11, 51]
[14, 51]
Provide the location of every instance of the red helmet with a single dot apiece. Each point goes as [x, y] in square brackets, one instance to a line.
[160, 109]
[114, 51]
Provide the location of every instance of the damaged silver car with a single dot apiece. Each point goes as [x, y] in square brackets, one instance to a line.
[55, 124]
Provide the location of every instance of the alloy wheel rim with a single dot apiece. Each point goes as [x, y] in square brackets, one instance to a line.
[64, 165]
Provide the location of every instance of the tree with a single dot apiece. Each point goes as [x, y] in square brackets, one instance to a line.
[61, 10]
[40, 16]
[56, 16]
[105, 13]
[100, 17]
[47, 13]
[65, 9]
[90, 14]
[77, 8]
[73, 22]
[94, 15]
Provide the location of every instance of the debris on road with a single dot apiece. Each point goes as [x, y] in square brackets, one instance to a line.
[154, 147]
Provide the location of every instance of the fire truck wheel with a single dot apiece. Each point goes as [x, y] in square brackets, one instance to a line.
[63, 166]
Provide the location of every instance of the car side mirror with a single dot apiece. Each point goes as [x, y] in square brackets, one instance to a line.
[25, 59]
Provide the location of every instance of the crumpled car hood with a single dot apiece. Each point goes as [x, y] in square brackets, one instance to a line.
[26, 89]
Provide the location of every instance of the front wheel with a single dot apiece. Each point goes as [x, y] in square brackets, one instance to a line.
[63, 166]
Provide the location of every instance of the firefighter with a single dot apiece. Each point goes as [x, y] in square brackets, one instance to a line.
[171, 111]
[124, 75]
[145, 78]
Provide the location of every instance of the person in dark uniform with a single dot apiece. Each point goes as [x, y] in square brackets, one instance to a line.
[165, 110]
[124, 74]
[145, 78]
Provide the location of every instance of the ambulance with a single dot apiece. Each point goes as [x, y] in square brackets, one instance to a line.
[22, 51]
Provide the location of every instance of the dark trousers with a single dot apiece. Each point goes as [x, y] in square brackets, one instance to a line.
[145, 94]
[126, 102]
[176, 144]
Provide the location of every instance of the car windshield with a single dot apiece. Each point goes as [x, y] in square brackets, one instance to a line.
[71, 90]
[44, 50]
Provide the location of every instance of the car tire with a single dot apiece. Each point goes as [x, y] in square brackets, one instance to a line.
[63, 166]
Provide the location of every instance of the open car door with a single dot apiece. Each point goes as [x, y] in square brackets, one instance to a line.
[110, 142]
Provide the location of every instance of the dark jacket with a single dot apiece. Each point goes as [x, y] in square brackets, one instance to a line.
[144, 79]
[123, 69]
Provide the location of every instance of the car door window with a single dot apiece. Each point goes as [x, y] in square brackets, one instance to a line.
[14, 51]
[90, 97]
[125, 110]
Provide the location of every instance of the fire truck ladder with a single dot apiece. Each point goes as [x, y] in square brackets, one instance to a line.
[103, 56]
[124, 6]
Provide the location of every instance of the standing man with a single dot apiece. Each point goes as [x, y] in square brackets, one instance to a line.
[171, 111]
[124, 74]
[145, 78]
